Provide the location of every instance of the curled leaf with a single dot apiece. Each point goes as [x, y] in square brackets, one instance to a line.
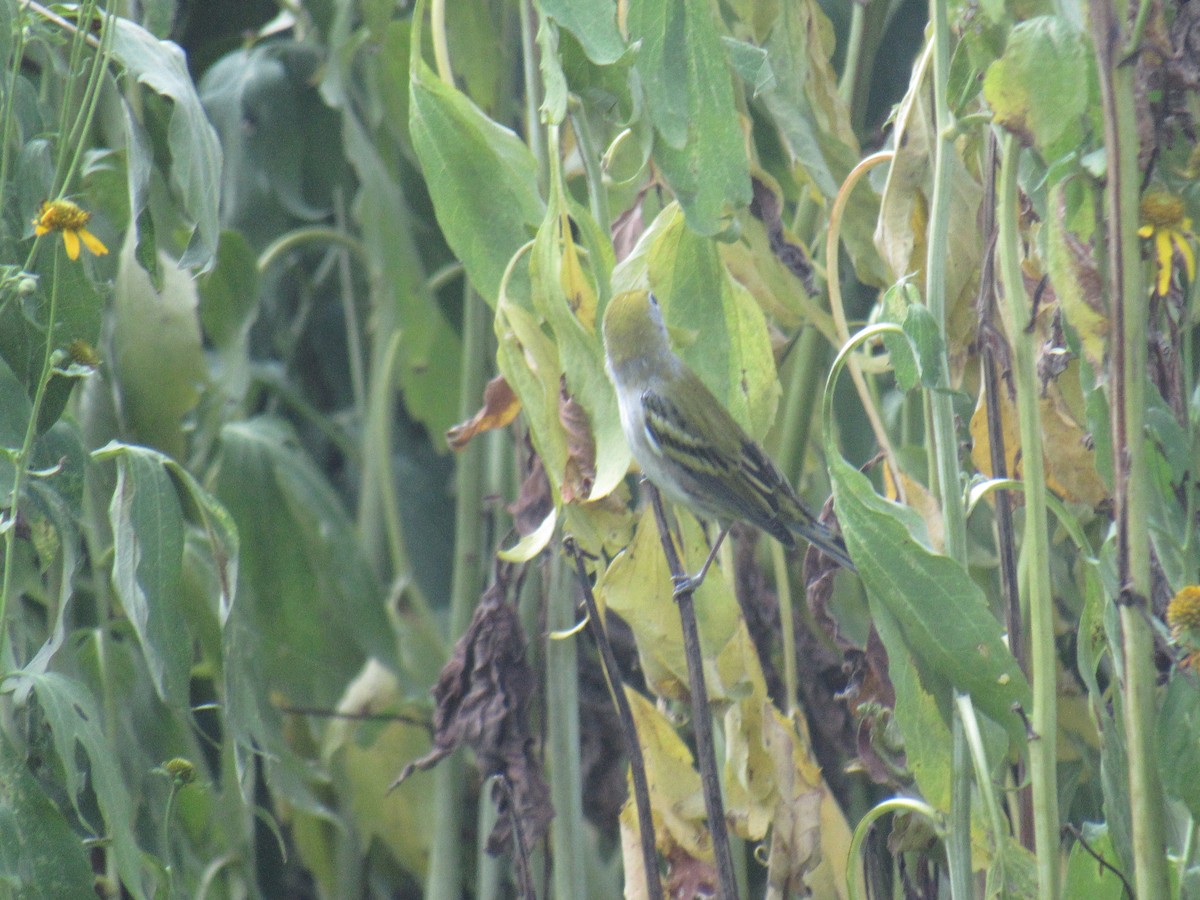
[500, 407]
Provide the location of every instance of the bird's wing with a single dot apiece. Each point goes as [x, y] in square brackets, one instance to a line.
[718, 462]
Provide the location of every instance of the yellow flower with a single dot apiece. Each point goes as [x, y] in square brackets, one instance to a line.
[1183, 612]
[1183, 617]
[1163, 220]
[71, 220]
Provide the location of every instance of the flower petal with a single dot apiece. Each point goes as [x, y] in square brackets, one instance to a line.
[92, 242]
[71, 242]
[1145, 231]
[1164, 255]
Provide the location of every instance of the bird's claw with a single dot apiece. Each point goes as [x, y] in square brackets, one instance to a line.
[685, 584]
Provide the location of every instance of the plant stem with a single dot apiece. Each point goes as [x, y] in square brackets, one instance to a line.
[1128, 302]
[562, 735]
[444, 880]
[637, 763]
[706, 757]
[21, 462]
[1036, 549]
[945, 438]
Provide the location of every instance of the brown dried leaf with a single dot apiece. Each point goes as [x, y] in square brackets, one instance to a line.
[483, 697]
[580, 471]
[500, 407]
[534, 501]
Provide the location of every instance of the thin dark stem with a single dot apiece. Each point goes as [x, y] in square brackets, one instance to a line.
[1103, 863]
[520, 849]
[989, 336]
[706, 757]
[637, 763]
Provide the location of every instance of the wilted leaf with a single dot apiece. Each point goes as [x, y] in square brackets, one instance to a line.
[676, 801]
[147, 526]
[580, 473]
[363, 749]
[500, 407]
[483, 697]
[1076, 280]
[195, 151]
[1038, 89]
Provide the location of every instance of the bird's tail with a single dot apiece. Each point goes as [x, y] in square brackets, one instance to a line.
[825, 541]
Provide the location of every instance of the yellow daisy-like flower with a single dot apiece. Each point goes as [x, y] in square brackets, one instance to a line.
[1183, 618]
[71, 220]
[1164, 221]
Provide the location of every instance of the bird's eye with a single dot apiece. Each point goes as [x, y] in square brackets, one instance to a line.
[653, 301]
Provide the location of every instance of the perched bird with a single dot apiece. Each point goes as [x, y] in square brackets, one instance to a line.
[688, 444]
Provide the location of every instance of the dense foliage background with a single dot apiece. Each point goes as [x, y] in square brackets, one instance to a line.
[253, 292]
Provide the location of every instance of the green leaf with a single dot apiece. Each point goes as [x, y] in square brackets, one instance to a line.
[15, 408]
[594, 24]
[1085, 876]
[40, 856]
[942, 614]
[304, 580]
[922, 329]
[720, 330]
[75, 722]
[1038, 89]
[279, 139]
[482, 178]
[689, 95]
[429, 367]
[159, 351]
[803, 100]
[1178, 742]
[147, 526]
[752, 64]
[195, 151]
[554, 264]
[229, 292]
[896, 302]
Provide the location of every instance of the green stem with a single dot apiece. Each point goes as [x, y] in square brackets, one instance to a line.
[18, 53]
[562, 735]
[21, 462]
[588, 152]
[1127, 380]
[441, 48]
[945, 438]
[1035, 551]
[444, 879]
[91, 98]
[807, 367]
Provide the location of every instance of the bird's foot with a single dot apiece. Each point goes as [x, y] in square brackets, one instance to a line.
[686, 584]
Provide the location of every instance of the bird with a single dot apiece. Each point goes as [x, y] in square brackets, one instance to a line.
[689, 446]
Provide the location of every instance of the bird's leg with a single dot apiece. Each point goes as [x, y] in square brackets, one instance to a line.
[685, 583]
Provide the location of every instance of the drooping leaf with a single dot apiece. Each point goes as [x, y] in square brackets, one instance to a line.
[941, 613]
[147, 526]
[689, 95]
[482, 178]
[593, 23]
[304, 579]
[1038, 89]
[40, 856]
[75, 723]
[721, 331]
[195, 151]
